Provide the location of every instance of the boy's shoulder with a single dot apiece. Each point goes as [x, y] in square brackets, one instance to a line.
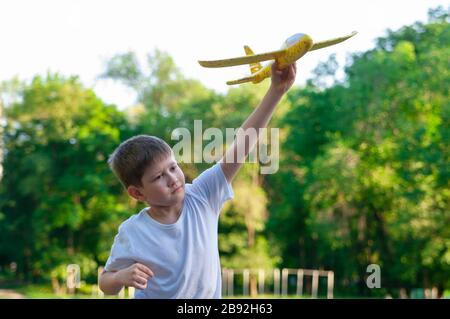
[212, 172]
[131, 221]
[193, 193]
[209, 185]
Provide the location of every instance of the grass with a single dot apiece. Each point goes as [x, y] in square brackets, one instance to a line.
[37, 291]
[45, 291]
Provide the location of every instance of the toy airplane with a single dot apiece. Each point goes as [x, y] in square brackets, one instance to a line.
[292, 49]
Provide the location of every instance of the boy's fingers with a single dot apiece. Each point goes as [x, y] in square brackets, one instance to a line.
[140, 280]
[292, 70]
[146, 270]
[143, 281]
[139, 286]
[276, 70]
[143, 275]
[275, 67]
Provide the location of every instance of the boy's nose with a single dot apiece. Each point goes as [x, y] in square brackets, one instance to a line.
[172, 180]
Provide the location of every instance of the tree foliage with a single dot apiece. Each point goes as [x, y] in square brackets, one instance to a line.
[370, 156]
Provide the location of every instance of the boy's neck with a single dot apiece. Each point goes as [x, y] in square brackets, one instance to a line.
[164, 214]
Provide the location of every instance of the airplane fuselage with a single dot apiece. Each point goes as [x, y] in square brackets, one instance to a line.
[296, 46]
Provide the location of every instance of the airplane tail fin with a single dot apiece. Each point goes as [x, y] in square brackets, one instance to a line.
[254, 67]
[242, 80]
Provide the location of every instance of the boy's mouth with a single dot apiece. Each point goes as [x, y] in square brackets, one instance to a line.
[178, 188]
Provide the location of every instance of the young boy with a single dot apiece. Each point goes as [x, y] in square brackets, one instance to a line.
[170, 250]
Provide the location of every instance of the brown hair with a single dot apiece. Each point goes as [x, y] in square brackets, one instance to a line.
[131, 158]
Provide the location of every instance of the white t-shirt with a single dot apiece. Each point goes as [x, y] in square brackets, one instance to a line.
[183, 256]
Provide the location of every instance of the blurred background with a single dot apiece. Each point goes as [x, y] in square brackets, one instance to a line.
[364, 160]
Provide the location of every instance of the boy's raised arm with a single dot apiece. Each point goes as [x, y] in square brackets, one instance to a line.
[238, 151]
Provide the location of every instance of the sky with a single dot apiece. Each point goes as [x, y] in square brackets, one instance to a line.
[77, 37]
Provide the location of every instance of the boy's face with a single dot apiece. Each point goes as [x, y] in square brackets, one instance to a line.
[162, 184]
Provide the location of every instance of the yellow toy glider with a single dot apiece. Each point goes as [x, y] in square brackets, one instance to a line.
[292, 49]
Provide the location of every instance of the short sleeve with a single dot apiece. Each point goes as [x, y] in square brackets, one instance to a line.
[121, 252]
[213, 187]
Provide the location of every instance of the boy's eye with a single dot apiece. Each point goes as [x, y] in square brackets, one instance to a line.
[172, 168]
[157, 177]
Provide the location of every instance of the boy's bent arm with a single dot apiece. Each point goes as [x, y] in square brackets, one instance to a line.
[137, 275]
[236, 154]
[109, 283]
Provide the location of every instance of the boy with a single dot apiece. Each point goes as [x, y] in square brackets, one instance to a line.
[170, 250]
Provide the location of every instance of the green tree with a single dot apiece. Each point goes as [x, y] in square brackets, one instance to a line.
[364, 174]
[57, 201]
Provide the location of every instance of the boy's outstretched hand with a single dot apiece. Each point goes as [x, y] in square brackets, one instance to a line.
[282, 80]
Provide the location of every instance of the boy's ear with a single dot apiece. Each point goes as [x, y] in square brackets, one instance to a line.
[134, 192]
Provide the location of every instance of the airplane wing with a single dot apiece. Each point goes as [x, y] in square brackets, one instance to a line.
[248, 59]
[239, 81]
[327, 43]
